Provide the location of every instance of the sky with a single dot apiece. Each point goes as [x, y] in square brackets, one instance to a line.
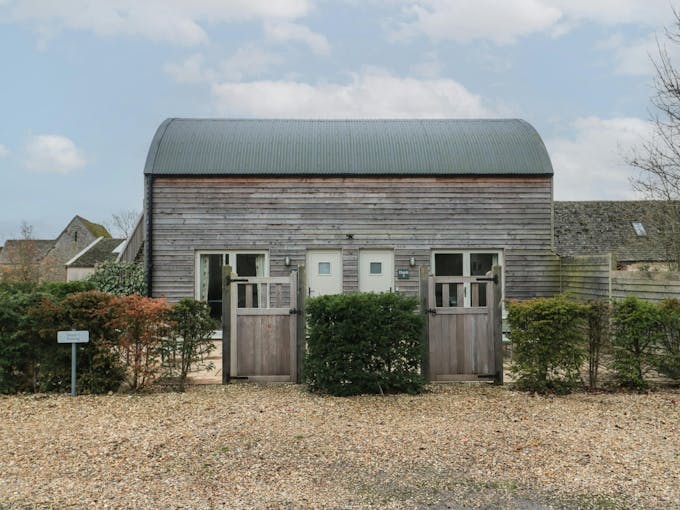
[85, 83]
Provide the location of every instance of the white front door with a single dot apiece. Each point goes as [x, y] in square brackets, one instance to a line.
[376, 271]
[324, 272]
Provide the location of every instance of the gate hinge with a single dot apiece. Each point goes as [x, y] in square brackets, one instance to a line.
[295, 311]
[432, 311]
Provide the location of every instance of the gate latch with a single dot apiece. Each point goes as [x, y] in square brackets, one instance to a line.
[432, 311]
[295, 311]
[229, 280]
[493, 278]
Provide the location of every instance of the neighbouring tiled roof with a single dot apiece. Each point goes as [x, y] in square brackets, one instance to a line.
[286, 147]
[95, 229]
[16, 249]
[97, 253]
[592, 228]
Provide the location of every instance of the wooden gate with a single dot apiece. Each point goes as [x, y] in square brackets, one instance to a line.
[261, 327]
[464, 342]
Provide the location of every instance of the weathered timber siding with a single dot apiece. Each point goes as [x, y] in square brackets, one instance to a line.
[133, 244]
[412, 215]
[586, 277]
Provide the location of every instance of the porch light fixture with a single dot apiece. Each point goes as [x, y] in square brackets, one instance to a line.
[412, 262]
[286, 261]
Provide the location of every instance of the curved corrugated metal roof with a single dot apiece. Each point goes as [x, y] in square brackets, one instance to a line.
[347, 147]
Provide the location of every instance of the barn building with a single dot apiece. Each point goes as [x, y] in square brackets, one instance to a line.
[362, 204]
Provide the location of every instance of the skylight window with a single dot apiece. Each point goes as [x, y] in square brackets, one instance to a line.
[639, 228]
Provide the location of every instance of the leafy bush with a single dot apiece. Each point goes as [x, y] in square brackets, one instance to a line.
[190, 341]
[18, 367]
[637, 330]
[27, 351]
[128, 337]
[598, 314]
[141, 324]
[668, 361]
[59, 290]
[99, 369]
[119, 278]
[363, 343]
[548, 344]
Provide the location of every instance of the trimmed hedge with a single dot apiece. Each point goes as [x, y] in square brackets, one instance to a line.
[364, 343]
[30, 358]
[548, 344]
[668, 362]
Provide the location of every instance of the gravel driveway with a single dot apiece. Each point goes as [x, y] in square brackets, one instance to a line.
[250, 446]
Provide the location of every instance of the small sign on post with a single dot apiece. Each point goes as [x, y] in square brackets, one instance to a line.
[73, 338]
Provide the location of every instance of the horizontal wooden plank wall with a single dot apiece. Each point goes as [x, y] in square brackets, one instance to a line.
[651, 286]
[412, 215]
[586, 277]
[134, 242]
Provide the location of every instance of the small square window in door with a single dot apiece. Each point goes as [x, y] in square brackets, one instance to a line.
[375, 268]
[324, 268]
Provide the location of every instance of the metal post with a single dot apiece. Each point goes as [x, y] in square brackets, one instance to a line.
[73, 369]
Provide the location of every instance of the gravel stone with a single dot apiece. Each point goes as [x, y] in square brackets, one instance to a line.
[254, 446]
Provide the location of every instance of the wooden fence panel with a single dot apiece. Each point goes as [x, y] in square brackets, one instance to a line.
[651, 286]
[586, 277]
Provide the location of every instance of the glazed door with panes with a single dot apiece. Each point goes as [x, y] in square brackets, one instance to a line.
[210, 265]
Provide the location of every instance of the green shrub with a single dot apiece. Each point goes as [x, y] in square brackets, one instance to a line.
[190, 341]
[99, 369]
[637, 331]
[119, 278]
[548, 344]
[363, 343]
[18, 339]
[59, 290]
[668, 361]
[598, 314]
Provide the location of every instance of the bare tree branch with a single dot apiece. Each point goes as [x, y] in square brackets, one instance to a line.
[122, 223]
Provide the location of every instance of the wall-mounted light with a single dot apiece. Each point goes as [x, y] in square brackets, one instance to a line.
[349, 236]
[412, 262]
[286, 261]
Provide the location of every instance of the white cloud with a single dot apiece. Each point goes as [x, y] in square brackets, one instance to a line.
[468, 20]
[247, 61]
[287, 31]
[591, 164]
[53, 153]
[191, 70]
[169, 21]
[505, 22]
[430, 66]
[371, 93]
[4, 151]
[637, 57]
[616, 12]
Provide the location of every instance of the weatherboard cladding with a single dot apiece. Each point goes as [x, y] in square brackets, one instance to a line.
[347, 147]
